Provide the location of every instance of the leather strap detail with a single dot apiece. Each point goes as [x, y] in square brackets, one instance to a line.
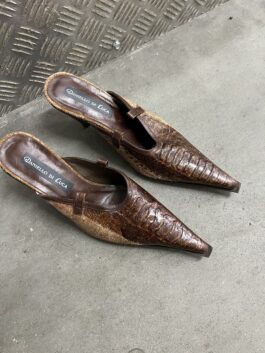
[79, 203]
[120, 100]
[116, 138]
[103, 162]
[135, 112]
[64, 200]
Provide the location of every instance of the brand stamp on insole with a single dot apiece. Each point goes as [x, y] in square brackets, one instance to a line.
[91, 102]
[47, 173]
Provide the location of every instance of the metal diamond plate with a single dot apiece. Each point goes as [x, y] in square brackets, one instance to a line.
[40, 37]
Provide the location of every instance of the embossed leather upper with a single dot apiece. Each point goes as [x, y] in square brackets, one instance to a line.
[173, 157]
[144, 220]
[103, 201]
[149, 144]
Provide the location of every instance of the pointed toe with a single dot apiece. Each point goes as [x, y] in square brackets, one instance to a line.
[148, 222]
[209, 174]
[208, 250]
[237, 187]
[192, 243]
[224, 181]
[234, 185]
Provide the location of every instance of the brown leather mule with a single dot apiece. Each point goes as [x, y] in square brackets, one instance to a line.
[147, 142]
[102, 201]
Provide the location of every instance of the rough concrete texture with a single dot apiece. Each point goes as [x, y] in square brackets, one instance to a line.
[62, 291]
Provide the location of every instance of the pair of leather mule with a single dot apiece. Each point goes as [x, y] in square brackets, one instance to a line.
[101, 200]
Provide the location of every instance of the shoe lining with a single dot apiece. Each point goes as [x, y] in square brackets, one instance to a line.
[29, 161]
[76, 96]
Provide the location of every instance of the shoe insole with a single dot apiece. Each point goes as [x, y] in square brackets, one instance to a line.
[79, 98]
[25, 158]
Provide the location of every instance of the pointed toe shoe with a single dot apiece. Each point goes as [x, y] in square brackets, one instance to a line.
[148, 143]
[102, 201]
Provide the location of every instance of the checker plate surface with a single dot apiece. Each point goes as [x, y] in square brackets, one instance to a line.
[40, 37]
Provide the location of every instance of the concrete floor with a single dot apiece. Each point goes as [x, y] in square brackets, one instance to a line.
[62, 291]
